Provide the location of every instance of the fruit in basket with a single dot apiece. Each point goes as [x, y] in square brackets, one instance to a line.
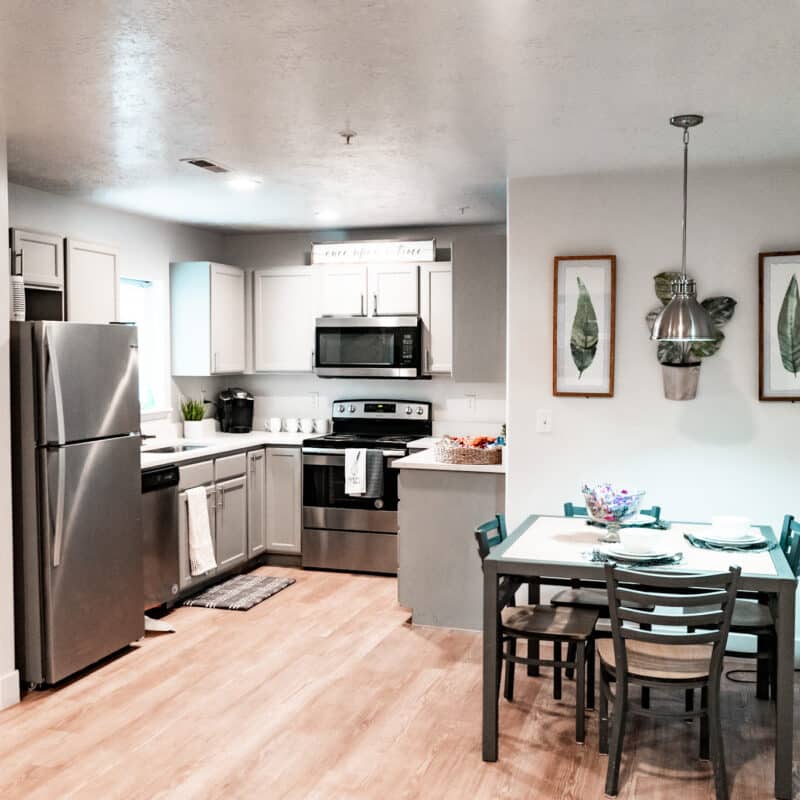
[479, 442]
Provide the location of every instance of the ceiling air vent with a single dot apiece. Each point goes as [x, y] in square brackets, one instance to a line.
[204, 163]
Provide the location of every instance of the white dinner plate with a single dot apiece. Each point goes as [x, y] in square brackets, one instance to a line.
[739, 541]
[627, 555]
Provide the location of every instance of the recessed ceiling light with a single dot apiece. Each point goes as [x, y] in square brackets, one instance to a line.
[244, 182]
[326, 215]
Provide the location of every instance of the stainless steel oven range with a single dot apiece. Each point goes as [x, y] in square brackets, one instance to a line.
[353, 532]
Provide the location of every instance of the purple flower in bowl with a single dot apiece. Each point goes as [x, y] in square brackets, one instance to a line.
[605, 503]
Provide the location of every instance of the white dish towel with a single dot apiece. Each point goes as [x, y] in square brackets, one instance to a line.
[201, 548]
[355, 470]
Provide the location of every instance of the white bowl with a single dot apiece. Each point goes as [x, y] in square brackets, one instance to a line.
[730, 527]
[642, 542]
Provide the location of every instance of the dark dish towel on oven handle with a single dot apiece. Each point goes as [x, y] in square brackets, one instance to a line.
[374, 474]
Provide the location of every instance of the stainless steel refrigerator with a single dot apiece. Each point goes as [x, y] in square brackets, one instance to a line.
[76, 492]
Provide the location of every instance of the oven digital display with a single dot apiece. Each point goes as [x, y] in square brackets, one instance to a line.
[380, 408]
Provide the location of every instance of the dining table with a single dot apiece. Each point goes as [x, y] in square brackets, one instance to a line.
[559, 549]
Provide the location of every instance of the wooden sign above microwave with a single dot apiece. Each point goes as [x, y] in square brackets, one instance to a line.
[373, 252]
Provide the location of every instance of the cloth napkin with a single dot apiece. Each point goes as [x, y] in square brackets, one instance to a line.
[729, 548]
[355, 470]
[201, 546]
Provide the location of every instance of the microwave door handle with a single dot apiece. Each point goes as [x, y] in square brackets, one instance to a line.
[363, 313]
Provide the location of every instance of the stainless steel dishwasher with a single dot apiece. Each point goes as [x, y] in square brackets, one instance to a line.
[160, 534]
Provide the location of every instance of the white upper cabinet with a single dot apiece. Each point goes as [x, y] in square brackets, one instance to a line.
[207, 302]
[40, 257]
[92, 282]
[343, 290]
[393, 290]
[436, 295]
[283, 319]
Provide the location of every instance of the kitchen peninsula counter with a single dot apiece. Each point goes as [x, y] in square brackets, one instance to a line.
[439, 574]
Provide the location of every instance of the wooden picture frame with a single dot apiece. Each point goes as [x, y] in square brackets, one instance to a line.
[584, 317]
[779, 326]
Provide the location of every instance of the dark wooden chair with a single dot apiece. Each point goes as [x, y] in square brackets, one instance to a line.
[755, 618]
[541, 623]
[665, 655]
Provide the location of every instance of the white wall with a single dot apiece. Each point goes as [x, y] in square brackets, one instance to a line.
[724, 452]
[146, 246]
[9, 679]
[459, 406]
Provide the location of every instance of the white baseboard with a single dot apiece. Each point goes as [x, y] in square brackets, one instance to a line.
[9, 689]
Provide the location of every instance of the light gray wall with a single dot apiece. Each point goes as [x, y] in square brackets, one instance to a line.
[9, 680]
[479, 282]
[146, 246]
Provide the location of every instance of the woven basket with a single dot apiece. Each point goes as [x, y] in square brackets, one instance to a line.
[450, 454]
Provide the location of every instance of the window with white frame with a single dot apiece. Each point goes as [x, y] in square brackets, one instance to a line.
[139, 302]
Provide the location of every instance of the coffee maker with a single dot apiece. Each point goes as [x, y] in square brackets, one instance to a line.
[235, 411]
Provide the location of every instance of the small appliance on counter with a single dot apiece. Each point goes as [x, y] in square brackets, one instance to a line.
[235, 411]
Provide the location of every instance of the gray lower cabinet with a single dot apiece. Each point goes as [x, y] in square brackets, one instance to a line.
[231, 539]
[186, 579]
[284, 499]
[256, 503]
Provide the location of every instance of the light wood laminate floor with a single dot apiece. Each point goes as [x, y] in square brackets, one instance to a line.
[326, 691]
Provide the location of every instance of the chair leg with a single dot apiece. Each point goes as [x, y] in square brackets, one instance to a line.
[533, 652]
[569, 672]
[704, 724]
[763, 667]
[689, 700]
[717, 746]
[590, 668]
[556, 671]
[510, 665]
[617, 737]
[645, 697]
[580, 692]
[604, 689]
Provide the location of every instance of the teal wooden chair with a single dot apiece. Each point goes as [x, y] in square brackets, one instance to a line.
[537, 623]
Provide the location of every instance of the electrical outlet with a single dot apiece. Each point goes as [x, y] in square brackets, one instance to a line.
[544, 420]
[315, 400]
[471, 398]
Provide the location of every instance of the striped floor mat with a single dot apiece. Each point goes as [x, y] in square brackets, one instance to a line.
[240, 593]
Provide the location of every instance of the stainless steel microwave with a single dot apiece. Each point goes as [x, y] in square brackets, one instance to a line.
[368, 347]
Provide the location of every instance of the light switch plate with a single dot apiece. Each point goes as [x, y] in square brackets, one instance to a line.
[544, 420]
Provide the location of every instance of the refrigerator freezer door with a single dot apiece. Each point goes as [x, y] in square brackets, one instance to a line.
[90, 381]
[91, 553]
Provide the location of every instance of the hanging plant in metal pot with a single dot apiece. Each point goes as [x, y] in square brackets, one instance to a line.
[680, 361]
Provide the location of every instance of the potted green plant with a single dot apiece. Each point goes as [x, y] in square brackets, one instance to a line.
[680, 362]
[193, 412]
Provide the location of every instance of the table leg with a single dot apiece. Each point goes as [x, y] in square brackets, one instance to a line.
[490, 662]
[784, 695]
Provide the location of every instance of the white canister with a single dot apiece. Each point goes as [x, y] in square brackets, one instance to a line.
[322, 425]
[194, 429]
[307, 425]
[291, 424]
[275, 424]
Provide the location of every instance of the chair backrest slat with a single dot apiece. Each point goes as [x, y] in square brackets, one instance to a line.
[712, 594]
[490, 534]
[572, 510]
[790, 542]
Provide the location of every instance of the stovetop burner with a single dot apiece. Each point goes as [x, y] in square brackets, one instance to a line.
[361, 440]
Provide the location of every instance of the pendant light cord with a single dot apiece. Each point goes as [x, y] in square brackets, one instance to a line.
[685, 195]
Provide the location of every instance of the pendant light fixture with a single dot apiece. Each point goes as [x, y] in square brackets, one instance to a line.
[683, 319]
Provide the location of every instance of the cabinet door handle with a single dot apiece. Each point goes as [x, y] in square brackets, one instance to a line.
[221, 498]
[215, 361]
[363, 313]
[427, 360]
[374, 304]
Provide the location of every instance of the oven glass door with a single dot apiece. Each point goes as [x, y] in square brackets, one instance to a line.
[323, 485]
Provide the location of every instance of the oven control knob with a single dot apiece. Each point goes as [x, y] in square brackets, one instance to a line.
[420, 411]
[409, 410]
[352, 409]
[340, 409]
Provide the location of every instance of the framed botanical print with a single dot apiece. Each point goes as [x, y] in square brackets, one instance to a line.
[779, 326]
[584, 294]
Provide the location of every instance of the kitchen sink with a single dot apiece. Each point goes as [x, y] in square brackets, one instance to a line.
[176, 448]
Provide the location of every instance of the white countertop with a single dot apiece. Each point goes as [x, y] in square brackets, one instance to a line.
[424, 444]
[426, 459]
[215, 445]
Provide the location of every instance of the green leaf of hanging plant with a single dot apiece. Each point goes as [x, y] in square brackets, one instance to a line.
[670, 353]
[663, 283]
[583, 342]
[789, 328]
[720, 309]
[651, 318]
[706, 349]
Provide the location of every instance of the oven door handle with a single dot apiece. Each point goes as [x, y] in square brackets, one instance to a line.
[335, 456]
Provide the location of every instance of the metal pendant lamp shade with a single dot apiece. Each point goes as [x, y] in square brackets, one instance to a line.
[683, 318]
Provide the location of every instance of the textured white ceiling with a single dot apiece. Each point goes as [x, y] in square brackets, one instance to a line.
[448, 99]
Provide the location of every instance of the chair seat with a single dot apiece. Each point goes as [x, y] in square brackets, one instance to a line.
[669, 662]
[589, 598]
[748, 616]
[549, 622]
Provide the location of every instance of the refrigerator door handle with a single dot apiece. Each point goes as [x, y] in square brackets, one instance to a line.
[58, 517]
[52, 361]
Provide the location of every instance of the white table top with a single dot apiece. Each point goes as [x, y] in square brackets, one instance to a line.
[566, 539]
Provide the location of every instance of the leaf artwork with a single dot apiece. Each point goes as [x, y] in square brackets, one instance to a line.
[789, 328]
[583, 341]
